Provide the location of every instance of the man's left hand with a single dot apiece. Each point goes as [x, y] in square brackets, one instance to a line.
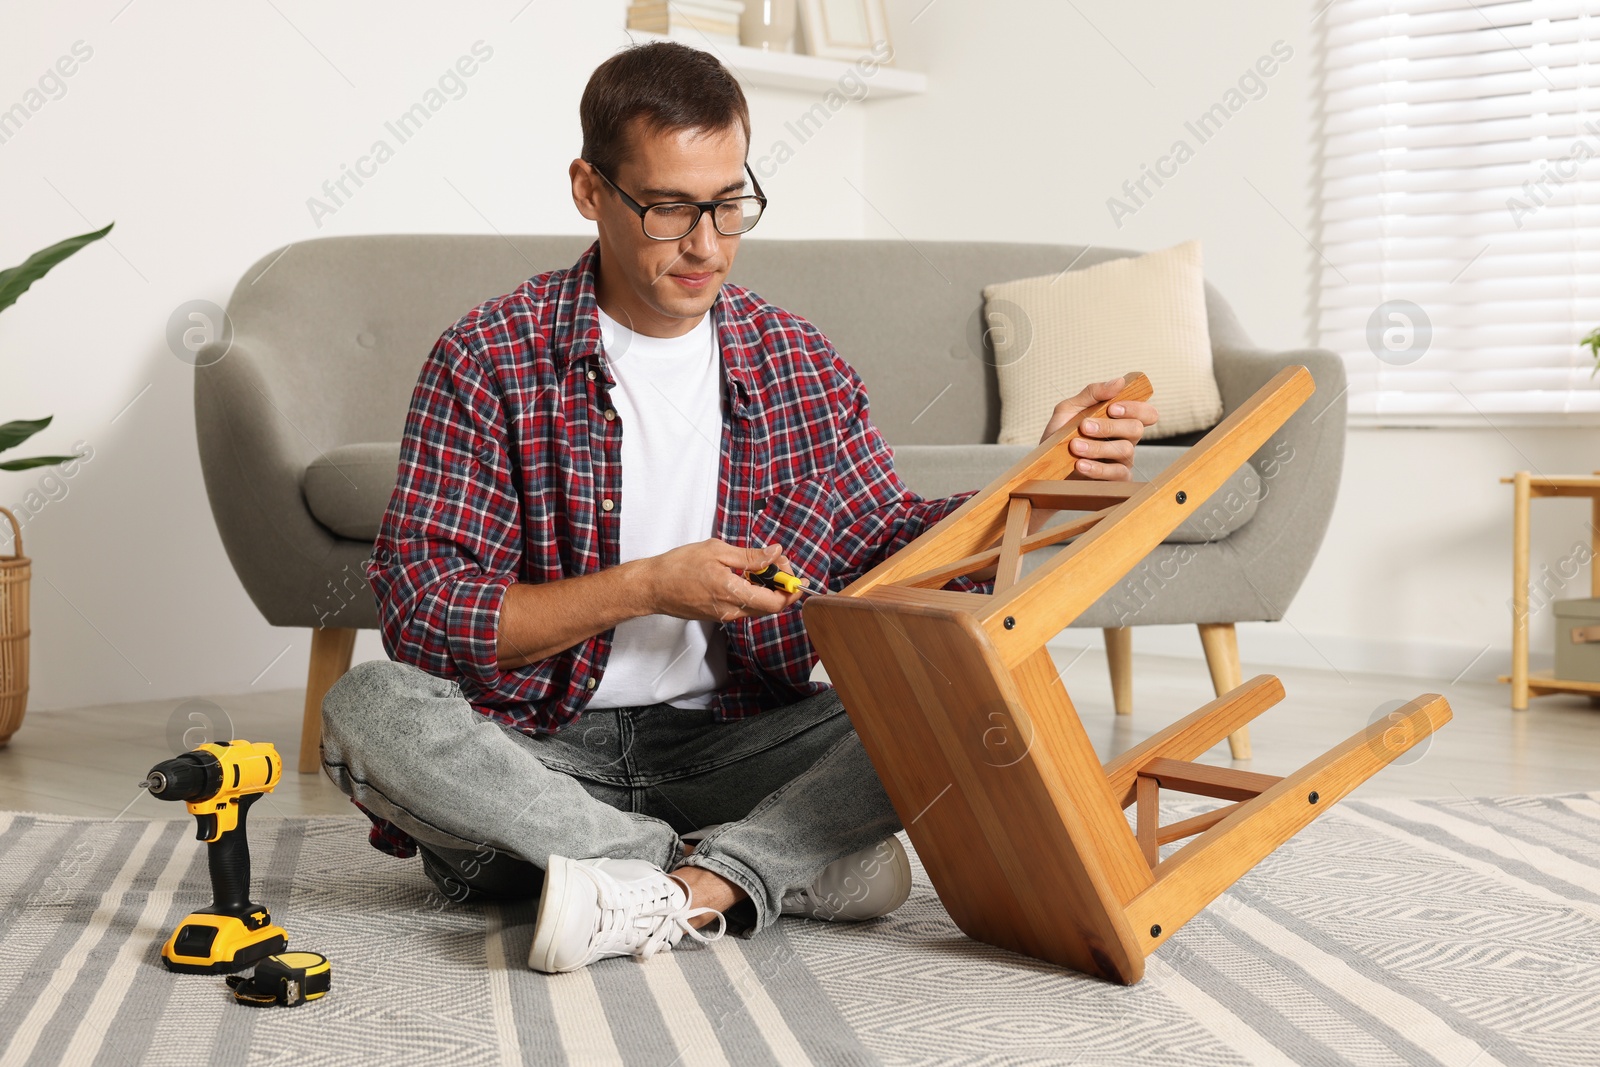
[1104, 446]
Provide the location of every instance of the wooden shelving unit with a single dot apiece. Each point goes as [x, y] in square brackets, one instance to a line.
[1543, 683]
[1529, 488]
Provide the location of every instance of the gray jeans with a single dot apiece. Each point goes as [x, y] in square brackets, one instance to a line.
[488, 804]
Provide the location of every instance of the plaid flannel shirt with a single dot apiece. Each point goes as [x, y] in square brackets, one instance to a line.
[510, 471]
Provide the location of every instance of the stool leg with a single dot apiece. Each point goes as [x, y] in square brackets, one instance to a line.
[1119, 657]
[1221, 644]
[331, 650]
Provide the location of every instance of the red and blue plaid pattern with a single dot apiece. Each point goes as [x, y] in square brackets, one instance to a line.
[509, 472]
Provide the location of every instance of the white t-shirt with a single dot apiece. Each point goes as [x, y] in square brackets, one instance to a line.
[668, 403]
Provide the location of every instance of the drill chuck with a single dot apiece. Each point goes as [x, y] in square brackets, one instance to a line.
[192, 776]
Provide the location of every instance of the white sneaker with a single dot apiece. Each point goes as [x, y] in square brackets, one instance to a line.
[863, 885]
[591, 909]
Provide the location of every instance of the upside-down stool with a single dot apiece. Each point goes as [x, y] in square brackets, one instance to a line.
[964, 715]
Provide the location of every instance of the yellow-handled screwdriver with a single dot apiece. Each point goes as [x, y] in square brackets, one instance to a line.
[774, 578]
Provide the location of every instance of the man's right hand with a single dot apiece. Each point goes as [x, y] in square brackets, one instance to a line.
[705, 581]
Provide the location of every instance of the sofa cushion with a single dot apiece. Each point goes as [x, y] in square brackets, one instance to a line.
[1056, 333]
[936, 471]
[348, 488]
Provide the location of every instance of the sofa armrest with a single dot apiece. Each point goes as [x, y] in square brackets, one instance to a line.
[253, 460]
[1240, 372]
[1299, 469]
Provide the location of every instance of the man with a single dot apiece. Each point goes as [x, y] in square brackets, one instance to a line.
[588, 699]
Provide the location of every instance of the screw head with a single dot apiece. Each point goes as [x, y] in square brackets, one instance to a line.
[1182, 496]
[1314, 797]
[1010, 623]
[1155, 931]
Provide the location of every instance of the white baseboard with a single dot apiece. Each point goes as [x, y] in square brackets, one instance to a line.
[1278, 644]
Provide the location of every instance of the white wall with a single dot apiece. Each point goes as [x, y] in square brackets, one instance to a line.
[1036, 115]
[203, 128]
[1415, 574]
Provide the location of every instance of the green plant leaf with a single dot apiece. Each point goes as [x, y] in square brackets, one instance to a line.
[14, 281]
[34, 461]
[13, 434]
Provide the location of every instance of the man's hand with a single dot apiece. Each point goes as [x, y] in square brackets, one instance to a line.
[705, 581]
[1104, 447]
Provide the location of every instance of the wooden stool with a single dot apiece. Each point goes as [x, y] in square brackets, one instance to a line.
[965, 717]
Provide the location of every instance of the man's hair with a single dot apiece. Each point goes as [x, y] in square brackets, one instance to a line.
[671, 87]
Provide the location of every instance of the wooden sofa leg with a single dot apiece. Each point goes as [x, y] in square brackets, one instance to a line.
[1119, 657]
[331, 650]
[1221, 644]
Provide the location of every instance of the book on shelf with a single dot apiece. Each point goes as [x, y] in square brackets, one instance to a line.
[715, 18]
[729, 10]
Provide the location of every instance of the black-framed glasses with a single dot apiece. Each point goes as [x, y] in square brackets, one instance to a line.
[674, 220]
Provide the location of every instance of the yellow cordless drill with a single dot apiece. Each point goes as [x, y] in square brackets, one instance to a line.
[219, 781]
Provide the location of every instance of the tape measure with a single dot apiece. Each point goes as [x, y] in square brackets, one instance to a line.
[289, 978]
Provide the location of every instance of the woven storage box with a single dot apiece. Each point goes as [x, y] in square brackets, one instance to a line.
[1578, 640]
[14, 574]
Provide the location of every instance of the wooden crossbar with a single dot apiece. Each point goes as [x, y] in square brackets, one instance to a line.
[1009, 567]
[1177, 831]
[1194, 733]
[1067, 495]
[1224, 783]
[937, 576]
[975, 524]
[1152, 835]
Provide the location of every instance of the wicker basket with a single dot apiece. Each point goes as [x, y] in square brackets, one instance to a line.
[14, 574]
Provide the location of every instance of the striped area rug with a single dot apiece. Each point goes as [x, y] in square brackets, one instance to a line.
[1463, 932]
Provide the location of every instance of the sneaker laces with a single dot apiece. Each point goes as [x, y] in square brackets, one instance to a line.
[641, 918]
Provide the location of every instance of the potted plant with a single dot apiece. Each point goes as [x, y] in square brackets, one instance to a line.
[15, 569]
[1593, 341]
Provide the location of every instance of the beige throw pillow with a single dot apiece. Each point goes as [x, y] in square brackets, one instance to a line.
[1056, 333]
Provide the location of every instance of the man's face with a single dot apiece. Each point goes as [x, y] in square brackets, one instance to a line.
[662, 288]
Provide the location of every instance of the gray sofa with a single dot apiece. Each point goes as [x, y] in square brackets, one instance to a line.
[299, 423]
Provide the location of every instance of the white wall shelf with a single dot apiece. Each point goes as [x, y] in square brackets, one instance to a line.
[808, 74]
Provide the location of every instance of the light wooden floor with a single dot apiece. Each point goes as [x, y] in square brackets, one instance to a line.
[89, 761]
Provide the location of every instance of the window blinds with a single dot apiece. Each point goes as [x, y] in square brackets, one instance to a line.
[1459, 219]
